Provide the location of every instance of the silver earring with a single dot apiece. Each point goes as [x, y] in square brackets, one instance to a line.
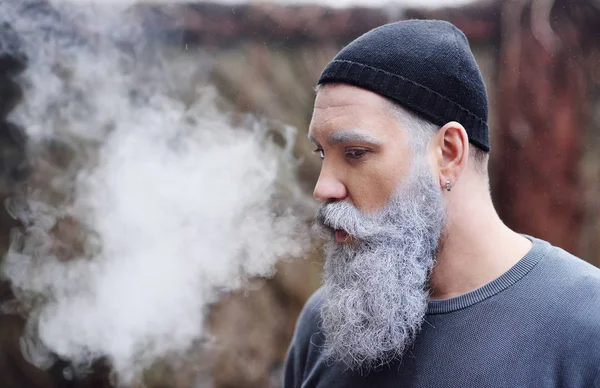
[448, 187]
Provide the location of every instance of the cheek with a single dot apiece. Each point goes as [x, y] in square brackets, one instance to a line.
[371, 185]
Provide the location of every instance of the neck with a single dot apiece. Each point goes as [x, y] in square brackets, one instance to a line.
[470, 258]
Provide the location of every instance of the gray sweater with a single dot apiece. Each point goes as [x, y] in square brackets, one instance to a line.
[537, 325]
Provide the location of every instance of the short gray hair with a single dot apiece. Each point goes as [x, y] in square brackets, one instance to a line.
[422, 130]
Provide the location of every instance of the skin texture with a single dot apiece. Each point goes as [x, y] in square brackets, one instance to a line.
[477, 246]
[371, 155]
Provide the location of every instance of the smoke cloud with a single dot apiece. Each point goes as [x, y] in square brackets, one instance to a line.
[145, 202]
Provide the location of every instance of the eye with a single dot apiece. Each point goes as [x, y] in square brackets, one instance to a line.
[356, 153]
[320, 152]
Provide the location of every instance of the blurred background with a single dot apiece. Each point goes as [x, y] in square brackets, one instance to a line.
[541, 64]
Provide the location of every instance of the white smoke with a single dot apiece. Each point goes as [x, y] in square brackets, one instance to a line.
[145, 203]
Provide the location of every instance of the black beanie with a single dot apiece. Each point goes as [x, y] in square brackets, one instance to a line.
[423, 65]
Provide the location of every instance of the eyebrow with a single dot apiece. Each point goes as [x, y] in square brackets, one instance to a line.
[348, 136]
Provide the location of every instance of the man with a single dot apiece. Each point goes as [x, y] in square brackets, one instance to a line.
[424, 286]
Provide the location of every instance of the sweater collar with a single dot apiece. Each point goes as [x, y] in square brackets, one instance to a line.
[506, 280]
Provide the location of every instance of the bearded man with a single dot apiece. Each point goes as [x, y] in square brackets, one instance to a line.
[424, 285]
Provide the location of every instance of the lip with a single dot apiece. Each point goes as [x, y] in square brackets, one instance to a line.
[341, 236]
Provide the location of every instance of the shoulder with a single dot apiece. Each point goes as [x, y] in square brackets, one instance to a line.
[307, 335]
[575, 299]
[570, 273]
[570, 289]
[308, 321]
[303, 350]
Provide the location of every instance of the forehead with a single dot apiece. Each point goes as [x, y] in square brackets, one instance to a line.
[341, 107]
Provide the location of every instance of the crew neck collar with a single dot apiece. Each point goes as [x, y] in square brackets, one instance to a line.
[513, 275]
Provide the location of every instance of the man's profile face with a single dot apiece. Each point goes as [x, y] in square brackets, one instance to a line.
[365, 152]
[387, 211]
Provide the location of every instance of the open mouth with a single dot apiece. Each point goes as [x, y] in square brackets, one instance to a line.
[342, 236]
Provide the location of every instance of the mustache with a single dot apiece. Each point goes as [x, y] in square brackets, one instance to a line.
[345, 216]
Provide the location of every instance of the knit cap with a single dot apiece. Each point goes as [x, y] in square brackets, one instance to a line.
[424, 65]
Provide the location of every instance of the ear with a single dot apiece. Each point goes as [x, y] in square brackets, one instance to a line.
[451, 152]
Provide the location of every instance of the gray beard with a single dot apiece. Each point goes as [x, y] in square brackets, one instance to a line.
[375, 288]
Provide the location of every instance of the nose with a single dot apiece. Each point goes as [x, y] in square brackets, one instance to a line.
[329, 188]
